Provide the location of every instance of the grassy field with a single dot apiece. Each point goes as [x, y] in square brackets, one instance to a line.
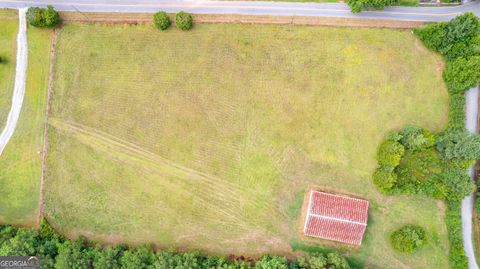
[208, 139]
[20, 163]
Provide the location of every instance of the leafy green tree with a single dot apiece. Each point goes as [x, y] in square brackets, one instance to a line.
[408, 238]
[35, 16]
[43, 17]
[312, 261]
[384, 178]
[432, 35]
[161, 20]
[23, 243]
[184, 21]
[390, 153]
[108, 258]
[335, 261]
[462, 74]
[460, 29]
[458, 145]
[272, 262]
[139, 258]
[415, 138]
[458, 182]
[73, 254]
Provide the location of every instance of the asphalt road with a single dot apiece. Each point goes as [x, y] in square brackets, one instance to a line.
[251, 8]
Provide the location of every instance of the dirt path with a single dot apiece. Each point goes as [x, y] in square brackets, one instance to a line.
[20, 79]
[467, 203]
[45, 134]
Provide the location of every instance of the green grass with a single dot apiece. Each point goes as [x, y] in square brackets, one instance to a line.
[20, 163]
[207, 139]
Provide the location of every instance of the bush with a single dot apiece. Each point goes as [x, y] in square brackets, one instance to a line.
[458, 182]
[384, 178]
[43, 17]
[161, 20]
[458, 145]
[357, 5]
[453, 219]
[460, 29]
[415, 138]
[456, 112]
[184, 21]
[390, 153]
[462, 74]
[432, 35]
[408, 238]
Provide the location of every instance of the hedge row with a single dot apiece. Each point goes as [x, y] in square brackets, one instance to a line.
[459, 42]
[58, 252]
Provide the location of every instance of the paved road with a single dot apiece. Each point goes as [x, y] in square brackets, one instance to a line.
[251, 8]
[467, 203]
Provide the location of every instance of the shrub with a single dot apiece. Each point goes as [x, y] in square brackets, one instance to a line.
[390, 153]
[161, 20]
[357, 5]
[460, 29]
[272, 262]
[408, 238]
[453, 219]
[432, 35]
[384, 179]
[462, 74]
[458, 182]
[458, 145]
[415, 138]
[456, 112]
[43, 17]
[184, 21]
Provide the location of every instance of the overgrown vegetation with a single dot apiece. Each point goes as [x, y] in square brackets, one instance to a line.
[184, 21]
[357, 6]
[408, 238]
[161, 20]
[61, 253]
[43, 17]
[436, 165]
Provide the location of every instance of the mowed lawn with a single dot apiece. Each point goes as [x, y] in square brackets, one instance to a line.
[20, 163]
[208, 139]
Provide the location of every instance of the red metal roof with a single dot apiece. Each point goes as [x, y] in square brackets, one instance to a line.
[336, 217]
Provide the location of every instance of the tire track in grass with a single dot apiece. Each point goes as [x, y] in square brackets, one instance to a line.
[228, 194]
[20, 81]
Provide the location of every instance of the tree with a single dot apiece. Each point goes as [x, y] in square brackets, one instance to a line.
[458, 183]
[460, 29]
[184, 21]
[415, 138]
[23, 243]
[51, 17]
[35, 16]
[462, 74]
[43, 17]
[272, 262]
[335, 261]
[458, 145]
[161, 20]
[432, 35]
[384, 178]
[390, 153]
[139, 258]
[408, 238]
[73, 254]
[108, 258]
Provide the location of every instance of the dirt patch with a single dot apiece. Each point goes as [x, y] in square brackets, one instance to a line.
[136, 18]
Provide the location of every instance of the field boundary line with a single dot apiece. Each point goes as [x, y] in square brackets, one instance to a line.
[146, 18]
[53, 46]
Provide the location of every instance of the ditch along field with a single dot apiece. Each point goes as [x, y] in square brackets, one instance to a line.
[208, 139]
[21, 161]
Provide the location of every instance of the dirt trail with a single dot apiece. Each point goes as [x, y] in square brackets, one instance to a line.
[20, 79]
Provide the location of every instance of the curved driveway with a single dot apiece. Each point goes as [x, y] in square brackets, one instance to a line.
[251, 8]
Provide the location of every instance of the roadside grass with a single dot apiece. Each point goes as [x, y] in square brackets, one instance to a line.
[20, 163]
[208, 139]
